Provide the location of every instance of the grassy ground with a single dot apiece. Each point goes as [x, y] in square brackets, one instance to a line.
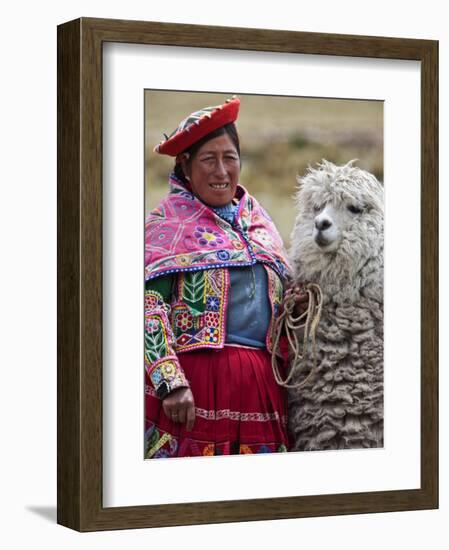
[280, 137]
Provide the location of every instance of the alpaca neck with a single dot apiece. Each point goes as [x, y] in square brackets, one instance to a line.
[346, 282]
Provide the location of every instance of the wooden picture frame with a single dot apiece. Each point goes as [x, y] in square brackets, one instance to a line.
[80, 354]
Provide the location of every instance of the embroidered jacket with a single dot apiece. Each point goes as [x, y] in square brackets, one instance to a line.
[187, 311]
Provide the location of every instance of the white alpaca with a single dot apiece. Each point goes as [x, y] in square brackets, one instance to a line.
[337, 242]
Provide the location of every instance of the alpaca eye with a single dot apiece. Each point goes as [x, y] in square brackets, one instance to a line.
[354, 209]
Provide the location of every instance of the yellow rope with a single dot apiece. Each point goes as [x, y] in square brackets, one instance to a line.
[292, 325]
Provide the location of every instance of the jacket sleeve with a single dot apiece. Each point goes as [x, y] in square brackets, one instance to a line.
[161, 363]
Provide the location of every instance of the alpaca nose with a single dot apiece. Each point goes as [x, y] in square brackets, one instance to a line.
[322, 224]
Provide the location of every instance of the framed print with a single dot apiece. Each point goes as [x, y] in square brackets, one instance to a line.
[126, 91]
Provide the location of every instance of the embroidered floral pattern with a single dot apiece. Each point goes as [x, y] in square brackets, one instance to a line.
[164, 236]
[207, 236]
[195, 320]
[223, 255]
[182, 206]
[151, 325]
[152, 300]
[156, 377]
[237, 244]
[199, 307]
[160, 362]
[169, 372]
[211, 335]
[184, 321]
[162, 444]
[212, 303]
[183, 260]
[262, 236]
[156, 340]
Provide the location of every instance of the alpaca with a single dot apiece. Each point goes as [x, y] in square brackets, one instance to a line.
[337, 242]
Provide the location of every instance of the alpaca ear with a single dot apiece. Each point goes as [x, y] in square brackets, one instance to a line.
[298, 188]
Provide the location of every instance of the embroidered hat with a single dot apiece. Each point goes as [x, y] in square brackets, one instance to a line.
[197, 125]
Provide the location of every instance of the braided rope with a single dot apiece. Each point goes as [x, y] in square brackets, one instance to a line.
[308, 320]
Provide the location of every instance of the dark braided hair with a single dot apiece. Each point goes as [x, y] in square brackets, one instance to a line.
[229, 129]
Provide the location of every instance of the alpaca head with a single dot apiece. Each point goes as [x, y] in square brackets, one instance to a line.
[339, 224]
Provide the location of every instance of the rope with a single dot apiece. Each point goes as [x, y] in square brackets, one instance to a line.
[291, 325]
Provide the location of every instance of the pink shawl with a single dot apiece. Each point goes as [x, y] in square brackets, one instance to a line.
[184, 234]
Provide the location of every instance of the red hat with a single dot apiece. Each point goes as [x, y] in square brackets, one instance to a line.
[197, 125]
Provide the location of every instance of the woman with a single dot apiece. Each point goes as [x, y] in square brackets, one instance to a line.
[215, 271]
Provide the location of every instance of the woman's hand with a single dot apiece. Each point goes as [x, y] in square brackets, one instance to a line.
[300, 298]
[301, 301]
[179, 406]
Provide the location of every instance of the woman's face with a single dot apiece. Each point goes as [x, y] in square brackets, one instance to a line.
[214, 171]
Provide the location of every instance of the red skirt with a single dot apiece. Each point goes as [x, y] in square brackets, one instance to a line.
[239, 408]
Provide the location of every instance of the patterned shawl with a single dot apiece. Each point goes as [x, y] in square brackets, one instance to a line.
[184, 234]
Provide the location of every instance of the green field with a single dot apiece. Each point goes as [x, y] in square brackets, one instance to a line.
[279, 138]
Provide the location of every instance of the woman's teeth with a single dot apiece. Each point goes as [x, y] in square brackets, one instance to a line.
[218, 185]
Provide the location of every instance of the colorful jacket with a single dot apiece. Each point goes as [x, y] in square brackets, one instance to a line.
[187, 311]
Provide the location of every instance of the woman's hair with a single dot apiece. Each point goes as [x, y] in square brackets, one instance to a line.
[228, 129]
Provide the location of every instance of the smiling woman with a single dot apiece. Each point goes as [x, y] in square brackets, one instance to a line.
[215, 270]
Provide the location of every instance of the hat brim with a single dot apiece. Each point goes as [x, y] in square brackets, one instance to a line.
[200, 127]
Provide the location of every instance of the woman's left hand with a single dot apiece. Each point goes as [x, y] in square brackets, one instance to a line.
[301, 299]
[301, 302]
